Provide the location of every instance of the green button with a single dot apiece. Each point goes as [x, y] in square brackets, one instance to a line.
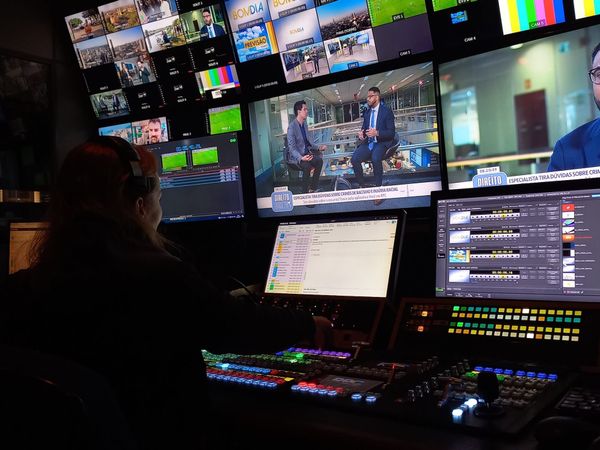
[452, 324]
[463, 308]
[455, 308]
[460, 324]
[490, 326]
[494, 310]
[486, 309]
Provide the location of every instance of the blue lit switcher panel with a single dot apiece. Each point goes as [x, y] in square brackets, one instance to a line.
[533, 324]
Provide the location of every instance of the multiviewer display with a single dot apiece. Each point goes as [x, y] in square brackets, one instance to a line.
[346, 258]
[200, 178]
[311, 156]
[522, 114]
[534, 245]
[318, 37]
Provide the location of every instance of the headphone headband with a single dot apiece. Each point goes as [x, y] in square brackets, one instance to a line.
[130, 158]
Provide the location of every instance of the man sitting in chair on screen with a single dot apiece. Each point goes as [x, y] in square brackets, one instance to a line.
[376, 136]
[301, 151]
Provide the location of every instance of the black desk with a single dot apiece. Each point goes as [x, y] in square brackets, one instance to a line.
[267, 420]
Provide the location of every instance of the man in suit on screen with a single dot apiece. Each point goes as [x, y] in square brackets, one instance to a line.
[581, 147]
[210, 29]
[376, 136]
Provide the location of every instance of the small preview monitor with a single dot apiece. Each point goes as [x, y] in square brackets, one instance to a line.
[225, 119]
[334, 258]
[22, 236]
[534, 242]
[150, 131]
[200, 178]
[218, 81]
[586, 8]
[122, 130]
[85, 25]
[110, 104]
[439, 5]
[523, 16]
[119, 15]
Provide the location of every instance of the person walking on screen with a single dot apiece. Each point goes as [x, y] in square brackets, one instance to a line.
[376, 136]
[579, 148]
[210, 29]
[105, 291]
[301, 151]
[143, 71]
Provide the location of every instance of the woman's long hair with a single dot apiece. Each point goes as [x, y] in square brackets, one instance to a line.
[95, 181]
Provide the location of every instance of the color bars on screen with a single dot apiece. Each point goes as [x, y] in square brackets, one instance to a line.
[219, 77]
[586, 8]
[522, 15]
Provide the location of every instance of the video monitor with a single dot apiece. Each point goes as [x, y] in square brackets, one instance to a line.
[200, 178]
[152, 11]
[122, 130]
[255, 42]
[523, 114]
[406, 166]
[218, 82]
[523, 16]
[439, 5]
[109, 104]
[163, 34]
[351, 258]
[586, 8]
[188, 123]
[204, 24]
[85, 25]
[536, 242]
[211, 53]
[93, 52]
[172, 63]
[144, 98]
[181, 90]
[131, 59]
[225, 119]
[317, 38]
[150, 131]
[101, 78]
[119, 15]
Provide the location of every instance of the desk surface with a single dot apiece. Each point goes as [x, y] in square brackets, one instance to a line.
[271, 420]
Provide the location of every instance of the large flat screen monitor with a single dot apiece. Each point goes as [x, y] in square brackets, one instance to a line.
[335, 258]
[541, 242]
[200, 178]
[522, 114]
[408, 168]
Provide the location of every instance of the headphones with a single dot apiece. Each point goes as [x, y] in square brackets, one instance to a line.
[130, 158]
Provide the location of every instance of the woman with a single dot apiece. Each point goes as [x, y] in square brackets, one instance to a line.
[104, 291]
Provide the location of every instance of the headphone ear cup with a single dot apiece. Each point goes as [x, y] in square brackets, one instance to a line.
[595, 445]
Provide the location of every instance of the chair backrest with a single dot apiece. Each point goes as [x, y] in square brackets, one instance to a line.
[50, 402]
[394, 145]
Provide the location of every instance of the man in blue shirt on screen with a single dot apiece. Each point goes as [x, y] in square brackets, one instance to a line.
[581, 147]
[376, 136]
[301, 152]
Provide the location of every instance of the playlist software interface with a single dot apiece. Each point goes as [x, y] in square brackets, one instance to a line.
[540, 246]
[350, 258]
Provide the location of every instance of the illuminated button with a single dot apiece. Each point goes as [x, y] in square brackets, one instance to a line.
[332, 394]
[356, 396]
[370, 399]
[553, 377]
[520, 373]
[577, 320]
[569, 312]
[542, 375]
[498, 371]
[295, 387]
[530, 374]
[456, 308]
[560, 312]
[578, 313]
[457, 413]
[508, 372]
[471, 403]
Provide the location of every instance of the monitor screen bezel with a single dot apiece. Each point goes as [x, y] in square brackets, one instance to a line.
[514, 189]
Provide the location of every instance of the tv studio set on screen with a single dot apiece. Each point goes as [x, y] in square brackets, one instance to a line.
[300, 224]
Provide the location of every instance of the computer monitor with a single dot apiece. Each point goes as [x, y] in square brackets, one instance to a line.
[406, 172]
[200, 178]
[539, 242]
[22, 236]
[508, 121]
[342, 258]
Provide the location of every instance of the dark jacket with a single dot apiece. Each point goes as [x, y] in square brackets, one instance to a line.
[140, 317]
